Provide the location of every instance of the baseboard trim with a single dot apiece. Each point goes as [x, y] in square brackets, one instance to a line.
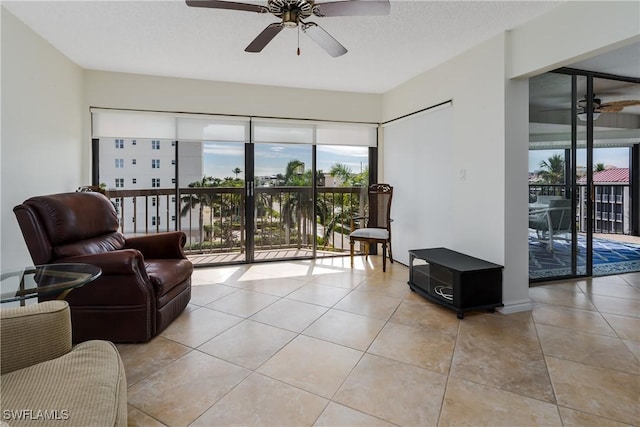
[516, 306]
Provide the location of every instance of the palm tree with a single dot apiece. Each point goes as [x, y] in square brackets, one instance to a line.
[599, 167]
[361, 179]
[294, 173]
[236, 171]
[198, 199]
[229, 206]
[342, 171]
[337, 215]
[553, 169]
[294, 207]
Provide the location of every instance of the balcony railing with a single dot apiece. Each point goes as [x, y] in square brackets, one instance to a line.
[536, 190]
[214, 218]
[611, 205]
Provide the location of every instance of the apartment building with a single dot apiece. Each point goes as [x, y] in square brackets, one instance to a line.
[612, 199]
[148, 164]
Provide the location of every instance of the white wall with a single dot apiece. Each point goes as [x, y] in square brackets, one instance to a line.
[490, 125]
[41, 128]
[417, 167]
[516, 208]
[573, 31]
[133, 91]
[474, 82]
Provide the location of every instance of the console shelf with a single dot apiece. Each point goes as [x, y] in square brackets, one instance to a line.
[454, 280]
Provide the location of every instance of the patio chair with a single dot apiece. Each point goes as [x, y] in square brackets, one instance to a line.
[377, 225]
[544, 200]
[552, 223]
[145, 282]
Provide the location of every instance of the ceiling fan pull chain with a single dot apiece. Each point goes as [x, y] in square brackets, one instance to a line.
[298, 40]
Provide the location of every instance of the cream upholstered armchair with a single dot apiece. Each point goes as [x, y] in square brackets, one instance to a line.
[377, 225]
[45, 380]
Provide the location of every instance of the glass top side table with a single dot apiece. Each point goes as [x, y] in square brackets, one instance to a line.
[47, 279]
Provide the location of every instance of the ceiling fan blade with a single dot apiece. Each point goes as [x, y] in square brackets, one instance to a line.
[353, 8]
[610, 109]
[626, 103]
[219, 4]
[264, 38]
[324, 39]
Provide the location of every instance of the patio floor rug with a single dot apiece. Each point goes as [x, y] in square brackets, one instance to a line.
[609, 257]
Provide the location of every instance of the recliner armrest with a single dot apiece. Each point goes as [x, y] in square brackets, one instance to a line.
[159, 246]
[33, 334]
[123, 262]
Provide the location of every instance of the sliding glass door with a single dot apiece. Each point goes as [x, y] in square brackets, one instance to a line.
[616, 238]
[341, 192]
[212, 204]
[241, 189]
[581, 154]
[555, 249]
[283, 201]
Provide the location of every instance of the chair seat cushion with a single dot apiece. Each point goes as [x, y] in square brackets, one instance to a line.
[538, 222]
[371, 233]
[166, 274]
[86, 386]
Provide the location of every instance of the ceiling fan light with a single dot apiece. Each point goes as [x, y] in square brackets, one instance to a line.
[290, 18]
[583, 116]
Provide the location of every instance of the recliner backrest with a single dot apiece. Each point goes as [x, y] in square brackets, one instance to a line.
[68, 224]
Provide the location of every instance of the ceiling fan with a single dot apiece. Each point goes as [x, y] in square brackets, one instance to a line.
[607, 107]
[292, 14]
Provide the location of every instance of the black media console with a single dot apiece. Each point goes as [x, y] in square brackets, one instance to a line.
[460, 282]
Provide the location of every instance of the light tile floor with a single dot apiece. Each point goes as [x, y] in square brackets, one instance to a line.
[316, 343]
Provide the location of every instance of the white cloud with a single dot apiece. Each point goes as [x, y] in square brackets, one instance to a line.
[230, 149]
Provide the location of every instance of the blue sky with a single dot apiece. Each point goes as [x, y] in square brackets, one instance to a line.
[618, 157]
[221, 158]
[271, 159]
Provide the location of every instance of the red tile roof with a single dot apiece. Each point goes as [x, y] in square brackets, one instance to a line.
[609, 175]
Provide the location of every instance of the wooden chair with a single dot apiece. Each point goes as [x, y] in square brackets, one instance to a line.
[377, 225]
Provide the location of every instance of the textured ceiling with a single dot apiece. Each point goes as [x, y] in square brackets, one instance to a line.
[167, 38]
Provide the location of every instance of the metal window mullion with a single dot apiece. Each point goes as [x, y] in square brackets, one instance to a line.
[574, 156]
[220, 219]
[589, 174]
[314, 207]
[157, 214]
[176, 170]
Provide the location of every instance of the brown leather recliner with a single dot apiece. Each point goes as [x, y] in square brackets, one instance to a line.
[145, 282]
